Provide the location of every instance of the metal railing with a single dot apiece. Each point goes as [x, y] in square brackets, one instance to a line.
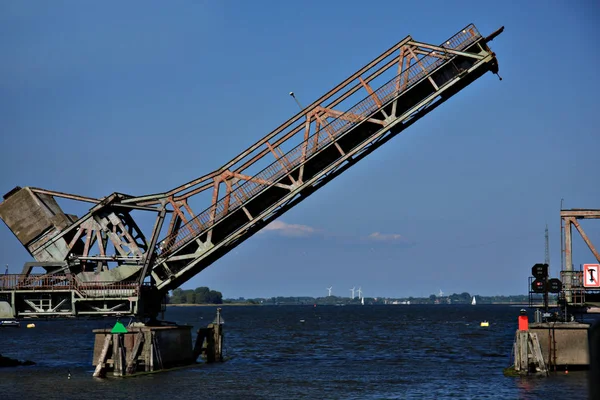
[311, 146]
[48, 283]
[573, 289]
[11, 282]
[108, 289]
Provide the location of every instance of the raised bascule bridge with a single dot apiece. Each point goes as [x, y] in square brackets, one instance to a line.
[104, 263]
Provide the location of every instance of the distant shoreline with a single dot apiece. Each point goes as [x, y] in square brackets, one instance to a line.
[514, 304]
[211, 305]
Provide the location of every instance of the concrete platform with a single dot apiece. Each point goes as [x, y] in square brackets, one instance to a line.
[563, 343]
[159, 347]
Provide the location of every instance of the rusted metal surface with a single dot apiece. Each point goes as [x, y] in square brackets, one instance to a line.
[69, 196]
[574, 293]
[377, 102]
[54, 283]
[580, 213]
[585, 238]
[327, 134]
[569, 219]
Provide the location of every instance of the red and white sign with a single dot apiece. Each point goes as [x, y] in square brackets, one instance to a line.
[590, 275]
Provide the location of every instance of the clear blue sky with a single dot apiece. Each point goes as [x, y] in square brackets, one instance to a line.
[138, 97]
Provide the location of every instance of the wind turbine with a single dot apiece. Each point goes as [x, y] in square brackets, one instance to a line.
[329, 289]
[352, 290]
[359, 293]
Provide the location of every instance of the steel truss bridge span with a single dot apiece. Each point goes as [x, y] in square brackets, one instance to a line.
[103, 263]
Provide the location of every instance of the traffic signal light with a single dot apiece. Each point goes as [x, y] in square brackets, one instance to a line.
[541, 283]
[538, 286]
[540, 271]
[554, 285]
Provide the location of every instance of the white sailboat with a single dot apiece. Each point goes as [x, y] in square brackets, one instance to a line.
[362, 301]
[473, 302]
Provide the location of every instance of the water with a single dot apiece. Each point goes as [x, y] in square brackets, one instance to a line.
[350, 352]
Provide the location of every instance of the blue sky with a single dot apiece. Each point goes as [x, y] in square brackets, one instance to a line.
[139, 97]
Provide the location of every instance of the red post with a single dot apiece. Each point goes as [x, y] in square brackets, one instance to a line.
[523, 323]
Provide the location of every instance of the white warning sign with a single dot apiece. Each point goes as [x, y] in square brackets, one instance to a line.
[590, 275]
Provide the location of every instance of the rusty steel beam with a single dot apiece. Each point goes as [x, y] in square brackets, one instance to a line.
[585, 238]
[184, 273]
[243, 177]
[334, 103]
[147, 199]
[420, 64]
[402, 46]
[177, 210]
[66, 195]
[154, 199]
[330, 133]
[580, 213]
[281, 160]
[459, 41]
[442, 50]
[371, 92]
[347, 116]
[150, 255]
[570, 218]
[493, 35]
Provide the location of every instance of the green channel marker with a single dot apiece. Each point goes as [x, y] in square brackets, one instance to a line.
[119, 328]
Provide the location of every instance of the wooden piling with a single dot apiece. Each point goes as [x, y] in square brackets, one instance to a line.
[118, 354]
[218, 342]
[209, 341]
[133, 356]
[199, 347]
[210, 345]
[528, 354]
[100, 367]
[151, 351]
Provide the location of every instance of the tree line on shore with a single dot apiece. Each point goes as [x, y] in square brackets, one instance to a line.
[204, 295]
[200, 295]
[455, 298]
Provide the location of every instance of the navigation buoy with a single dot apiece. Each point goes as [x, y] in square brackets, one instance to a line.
[484, 323]
[30, 325]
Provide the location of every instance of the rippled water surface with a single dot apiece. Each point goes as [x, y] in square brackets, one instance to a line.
[350, 352]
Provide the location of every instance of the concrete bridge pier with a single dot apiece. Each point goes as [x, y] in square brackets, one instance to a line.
[138, 348]
[543, 347]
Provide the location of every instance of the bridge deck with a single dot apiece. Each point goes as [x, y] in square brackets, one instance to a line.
[51, 295]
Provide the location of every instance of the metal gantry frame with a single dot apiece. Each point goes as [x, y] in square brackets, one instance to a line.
[367, 109]
[574, 292]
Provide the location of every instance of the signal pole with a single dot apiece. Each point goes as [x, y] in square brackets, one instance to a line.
[547, 259]
[540, 283]
[547, 262]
